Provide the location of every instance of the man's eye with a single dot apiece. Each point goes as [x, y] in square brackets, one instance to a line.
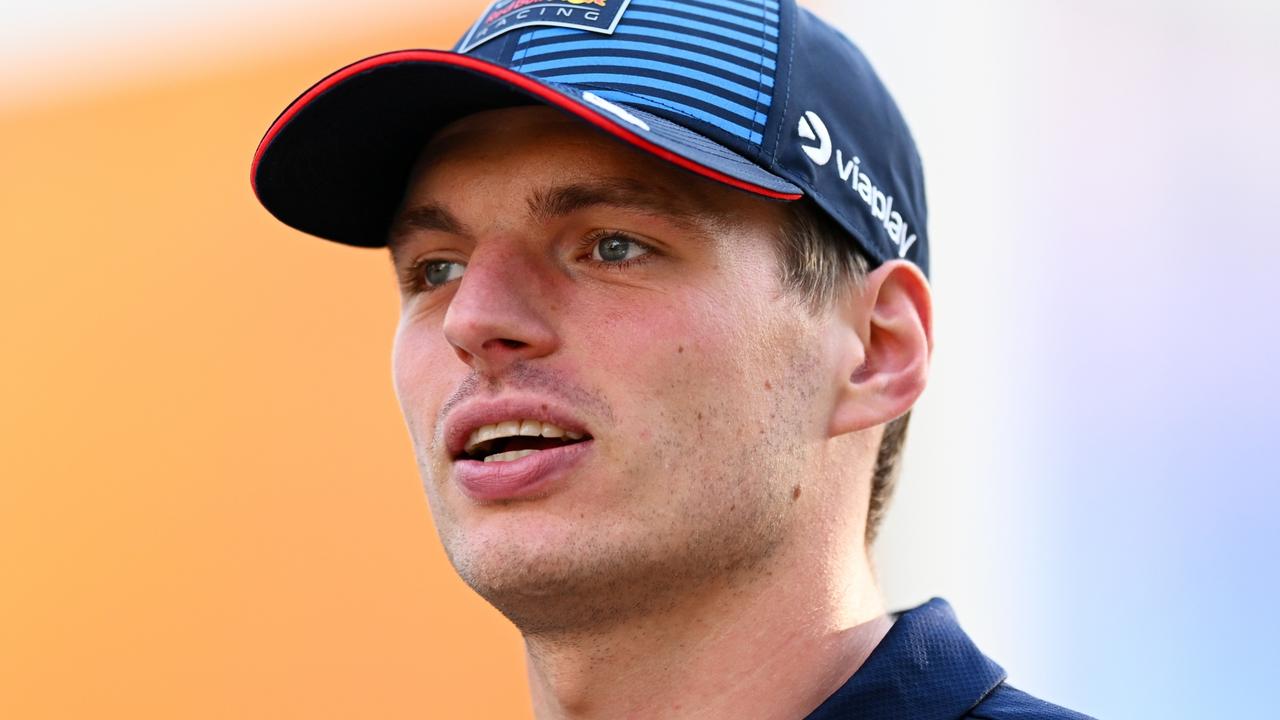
[438, 272]
[617, 249]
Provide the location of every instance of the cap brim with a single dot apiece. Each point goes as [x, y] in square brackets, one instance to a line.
[335, 163]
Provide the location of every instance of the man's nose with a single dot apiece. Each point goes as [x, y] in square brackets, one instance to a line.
[499, 312]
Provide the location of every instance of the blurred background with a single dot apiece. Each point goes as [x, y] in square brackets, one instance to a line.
[208, 505]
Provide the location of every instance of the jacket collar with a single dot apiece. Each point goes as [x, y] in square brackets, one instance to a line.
[925, 668]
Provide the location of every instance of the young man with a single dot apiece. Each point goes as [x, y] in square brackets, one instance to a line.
[664, 314]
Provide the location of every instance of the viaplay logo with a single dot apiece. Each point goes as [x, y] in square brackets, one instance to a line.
[812, 128]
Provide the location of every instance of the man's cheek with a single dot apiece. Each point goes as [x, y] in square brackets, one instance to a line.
[666, 321]
[419, 386]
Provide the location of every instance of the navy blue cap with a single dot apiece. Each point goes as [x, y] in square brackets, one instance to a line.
[760, 95]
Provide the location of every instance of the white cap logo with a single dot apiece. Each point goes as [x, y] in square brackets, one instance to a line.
[603, 104]
[812, 128]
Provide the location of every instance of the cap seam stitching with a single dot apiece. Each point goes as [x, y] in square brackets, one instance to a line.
[786, 97]
[760, 75]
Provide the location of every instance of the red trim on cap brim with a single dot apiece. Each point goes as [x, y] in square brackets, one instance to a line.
[521, 81]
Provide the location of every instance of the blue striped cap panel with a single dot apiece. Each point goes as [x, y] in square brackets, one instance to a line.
[705, 63]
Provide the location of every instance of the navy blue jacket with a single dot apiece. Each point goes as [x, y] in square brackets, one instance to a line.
[927, 668]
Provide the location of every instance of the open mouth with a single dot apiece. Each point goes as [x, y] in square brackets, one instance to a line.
[514, 439]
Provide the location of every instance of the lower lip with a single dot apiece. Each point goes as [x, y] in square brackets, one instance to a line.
[529, 476]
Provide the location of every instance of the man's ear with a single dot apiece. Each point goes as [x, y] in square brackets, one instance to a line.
[886, 339]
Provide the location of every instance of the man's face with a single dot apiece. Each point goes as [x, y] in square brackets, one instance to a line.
[550, 273]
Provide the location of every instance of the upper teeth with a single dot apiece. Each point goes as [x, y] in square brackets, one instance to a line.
[514, 428]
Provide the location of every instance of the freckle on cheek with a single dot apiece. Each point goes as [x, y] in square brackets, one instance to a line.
[795, 493]
[768, 385]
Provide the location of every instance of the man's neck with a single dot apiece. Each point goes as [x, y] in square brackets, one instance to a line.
[764, 648]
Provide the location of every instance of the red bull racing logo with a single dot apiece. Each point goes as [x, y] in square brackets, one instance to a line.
[598, 16]
[511, 6]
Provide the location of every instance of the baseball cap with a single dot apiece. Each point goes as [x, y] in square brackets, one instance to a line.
[760, 95]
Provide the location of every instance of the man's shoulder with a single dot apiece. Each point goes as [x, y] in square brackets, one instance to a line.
[1006, 702]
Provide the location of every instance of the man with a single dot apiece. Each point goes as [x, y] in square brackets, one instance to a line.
[664, 315]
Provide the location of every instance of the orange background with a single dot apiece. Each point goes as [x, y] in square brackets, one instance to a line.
[209, 506]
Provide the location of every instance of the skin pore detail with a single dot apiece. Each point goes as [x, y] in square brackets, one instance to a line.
[708, 538]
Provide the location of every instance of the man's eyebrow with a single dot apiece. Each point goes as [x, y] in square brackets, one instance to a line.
[628, 193]
[430, 216]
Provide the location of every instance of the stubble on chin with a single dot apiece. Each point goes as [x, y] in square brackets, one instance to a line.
[719, 507]
[595, 581]
[707, 526]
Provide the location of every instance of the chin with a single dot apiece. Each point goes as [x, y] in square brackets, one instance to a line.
[540, 576]
[579, 571]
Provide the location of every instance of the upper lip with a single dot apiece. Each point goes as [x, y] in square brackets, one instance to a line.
[467, 418]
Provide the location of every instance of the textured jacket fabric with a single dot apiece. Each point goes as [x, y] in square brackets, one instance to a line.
[927, 668]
